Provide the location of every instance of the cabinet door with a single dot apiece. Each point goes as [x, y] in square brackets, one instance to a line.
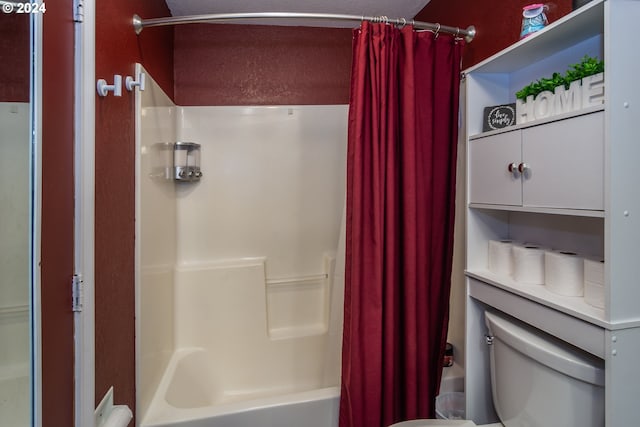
[565, 163]
[490, 180]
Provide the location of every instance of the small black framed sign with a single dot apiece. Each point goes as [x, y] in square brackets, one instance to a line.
[498, 117]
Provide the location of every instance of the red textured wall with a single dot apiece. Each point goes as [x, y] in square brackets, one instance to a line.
[57, 216]
[498, 22]
[14, 51]
[261, 65]
[117, 50]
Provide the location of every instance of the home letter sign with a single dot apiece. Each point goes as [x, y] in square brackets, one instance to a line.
[581, 94]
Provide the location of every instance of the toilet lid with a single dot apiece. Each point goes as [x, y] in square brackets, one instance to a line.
[435, 423]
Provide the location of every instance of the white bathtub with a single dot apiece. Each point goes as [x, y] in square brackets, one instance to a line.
[246, 352]
[186, 397]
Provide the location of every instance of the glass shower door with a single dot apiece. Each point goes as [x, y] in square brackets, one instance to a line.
[18, 224]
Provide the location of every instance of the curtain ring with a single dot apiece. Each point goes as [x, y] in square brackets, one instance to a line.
[402, 24]
[457, 38]
[437, 31]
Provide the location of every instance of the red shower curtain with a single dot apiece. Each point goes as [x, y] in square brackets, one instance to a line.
[401, 163]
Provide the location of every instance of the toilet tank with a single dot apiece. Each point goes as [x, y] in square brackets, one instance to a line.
[540, 381]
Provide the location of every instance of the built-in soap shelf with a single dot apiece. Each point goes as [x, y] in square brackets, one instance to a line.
[299, 306]
[296, 306]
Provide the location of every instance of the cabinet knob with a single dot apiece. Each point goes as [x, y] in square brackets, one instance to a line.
[513, 168]
[523, 167]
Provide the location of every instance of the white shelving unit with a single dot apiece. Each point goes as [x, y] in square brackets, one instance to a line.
[580, 194]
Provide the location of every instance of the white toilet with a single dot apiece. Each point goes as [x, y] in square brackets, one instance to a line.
[537, 380]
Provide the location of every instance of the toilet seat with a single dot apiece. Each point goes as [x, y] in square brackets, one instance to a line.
[442, 423]
[435, 423]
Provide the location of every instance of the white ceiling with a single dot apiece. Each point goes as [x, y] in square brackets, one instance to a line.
[391, 8]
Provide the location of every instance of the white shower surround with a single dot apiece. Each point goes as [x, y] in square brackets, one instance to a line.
[252, 246]
[273, 185]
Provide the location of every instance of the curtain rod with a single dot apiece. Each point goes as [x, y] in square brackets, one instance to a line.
[139, 24]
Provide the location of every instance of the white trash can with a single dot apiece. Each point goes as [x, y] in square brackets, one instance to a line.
[450, 406]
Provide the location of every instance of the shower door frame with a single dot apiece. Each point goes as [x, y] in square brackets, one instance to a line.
[84, 189]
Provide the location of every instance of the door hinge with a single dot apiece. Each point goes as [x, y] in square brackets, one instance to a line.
[78, 10]
[77, 295]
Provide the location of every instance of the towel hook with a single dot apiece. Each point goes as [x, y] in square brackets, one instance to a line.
[104, 88]
[131, 84]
